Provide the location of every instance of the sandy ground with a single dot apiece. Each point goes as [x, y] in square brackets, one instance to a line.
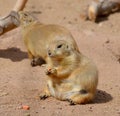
[20, 84]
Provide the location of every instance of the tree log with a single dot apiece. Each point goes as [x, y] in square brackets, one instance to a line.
[20, 4]
[11, 21]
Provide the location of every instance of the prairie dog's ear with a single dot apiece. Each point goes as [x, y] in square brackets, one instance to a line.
[26, 17]
[69, 47]
[24, 13]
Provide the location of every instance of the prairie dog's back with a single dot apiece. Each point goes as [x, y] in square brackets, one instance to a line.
[37, 36]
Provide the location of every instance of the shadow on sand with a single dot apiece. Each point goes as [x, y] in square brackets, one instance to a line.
[102, 97]
[14, 54]
[105, 17]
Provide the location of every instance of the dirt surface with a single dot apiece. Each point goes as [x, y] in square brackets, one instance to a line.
[20, 84]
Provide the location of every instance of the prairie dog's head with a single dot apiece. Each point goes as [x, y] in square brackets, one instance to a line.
[59, 49]
[26, 18]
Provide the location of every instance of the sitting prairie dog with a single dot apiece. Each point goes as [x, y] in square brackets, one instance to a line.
[101, 8]
[38, 36]
[71, 76]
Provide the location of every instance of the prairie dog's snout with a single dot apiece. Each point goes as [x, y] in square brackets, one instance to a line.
[58, 49]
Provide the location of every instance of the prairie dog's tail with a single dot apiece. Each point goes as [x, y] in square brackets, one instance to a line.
[77, 97]
[82, 98]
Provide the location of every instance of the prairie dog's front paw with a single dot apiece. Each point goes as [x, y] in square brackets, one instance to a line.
[50, 71]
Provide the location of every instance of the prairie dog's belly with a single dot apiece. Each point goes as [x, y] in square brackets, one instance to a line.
[64, 90]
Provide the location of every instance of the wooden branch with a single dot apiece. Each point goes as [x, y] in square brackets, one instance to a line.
[20, 4]
[11, 21]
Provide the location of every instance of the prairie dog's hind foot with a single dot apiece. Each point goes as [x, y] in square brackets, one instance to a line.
[81, 97]
[37, 61]
[71, 102]
[44, 96]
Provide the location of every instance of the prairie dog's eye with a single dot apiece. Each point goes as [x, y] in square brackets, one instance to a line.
[30, 20]
[59, 46]
[25, 15]
[67, 46]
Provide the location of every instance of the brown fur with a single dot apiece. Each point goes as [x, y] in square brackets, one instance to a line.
[38, 36]
[71, 76]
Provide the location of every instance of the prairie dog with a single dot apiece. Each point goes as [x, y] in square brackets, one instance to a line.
[37, 37]
[101, 8]
[71, 76]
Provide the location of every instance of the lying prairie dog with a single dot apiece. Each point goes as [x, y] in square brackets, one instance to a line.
[37, 37]
[71, 76]
[100, 8]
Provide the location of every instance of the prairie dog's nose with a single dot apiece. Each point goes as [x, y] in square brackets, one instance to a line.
[49, 53]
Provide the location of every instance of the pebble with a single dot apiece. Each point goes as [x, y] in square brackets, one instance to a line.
[27, 114]
[100, 24]
[25, 107]
[3, 94]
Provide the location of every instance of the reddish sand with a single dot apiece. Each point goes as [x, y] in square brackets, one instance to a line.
[21, 84]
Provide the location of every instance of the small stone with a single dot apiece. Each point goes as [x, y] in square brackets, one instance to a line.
[107, 42]
[91, 107]
[57, 103]
[3, 94]
[76, 19]
[69, 22]
[118, 60]
[27, 114]
[25, 107]
[43, 107]
[119, 112]
[100, 24]
[60, 108]
[64, 18]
